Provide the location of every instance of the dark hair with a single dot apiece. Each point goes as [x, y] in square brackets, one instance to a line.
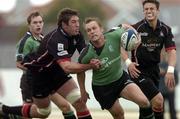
[65, 15]
[32, 15]
[89, 19]
[156, 2]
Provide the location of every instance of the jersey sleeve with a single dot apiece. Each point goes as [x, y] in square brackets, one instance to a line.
[169, 40]
[26, 49]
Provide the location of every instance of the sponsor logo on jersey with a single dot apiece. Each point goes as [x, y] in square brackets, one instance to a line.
[144, 34]
[60, 47]
[62, 53]
[111, 48]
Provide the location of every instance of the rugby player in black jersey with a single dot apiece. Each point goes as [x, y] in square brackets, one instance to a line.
[144, 68]
[49, 69]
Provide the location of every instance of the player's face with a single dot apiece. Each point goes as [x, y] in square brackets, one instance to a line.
[36, 25]
[150, 12]
[73, 26]
[94, 31]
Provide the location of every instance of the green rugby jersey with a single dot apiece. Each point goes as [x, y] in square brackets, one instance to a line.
[110, 56]
[28, 44]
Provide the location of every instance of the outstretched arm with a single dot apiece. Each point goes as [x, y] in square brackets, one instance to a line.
[73, 67]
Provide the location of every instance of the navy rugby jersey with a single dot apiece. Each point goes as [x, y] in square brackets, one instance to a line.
[148, 53]
[55, 45]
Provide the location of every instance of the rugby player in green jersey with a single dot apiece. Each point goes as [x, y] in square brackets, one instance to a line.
[110, 81]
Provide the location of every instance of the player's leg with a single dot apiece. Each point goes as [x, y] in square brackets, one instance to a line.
[116, 110]
[133, 93]
[63, 105]
[152, 93]
[71, 92]
[29, 110]
[157, 105]
[26, 90]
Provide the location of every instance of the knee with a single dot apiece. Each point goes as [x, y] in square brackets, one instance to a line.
[118, 115]
[65, 108]
[73, 96]
[44, 112]
[157, 103]
[145, 103]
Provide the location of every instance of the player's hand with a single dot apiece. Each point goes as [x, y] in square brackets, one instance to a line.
[96, 63]
[170, 81]
[133, 71]
[84, 96]
[127, 26]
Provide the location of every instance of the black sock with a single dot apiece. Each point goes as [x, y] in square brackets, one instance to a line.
[17, 111]
[69, 115]
[146, 113]
[12, 110]
[158, 115]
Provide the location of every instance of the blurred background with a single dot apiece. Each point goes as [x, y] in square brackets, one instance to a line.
[13, 14]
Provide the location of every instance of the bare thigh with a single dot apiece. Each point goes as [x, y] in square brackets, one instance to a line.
[133, 93]
[65, 89]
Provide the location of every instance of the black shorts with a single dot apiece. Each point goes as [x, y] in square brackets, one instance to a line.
[47, 81]
[26, 89]
[148, 81]
[106, 95]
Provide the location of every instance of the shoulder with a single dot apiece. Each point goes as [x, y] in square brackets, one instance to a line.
[25, 39]
[139, 24]
[53, 37]
[165, 27]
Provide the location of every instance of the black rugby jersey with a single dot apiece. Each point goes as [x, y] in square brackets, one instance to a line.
[148, 53]
[55, 45]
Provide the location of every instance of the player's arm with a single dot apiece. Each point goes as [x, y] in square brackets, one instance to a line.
[133, 71]
[73, 67]
[20, 66]
[81, 81]
[169, 77]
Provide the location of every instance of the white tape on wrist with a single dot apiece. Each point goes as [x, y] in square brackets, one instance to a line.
[128, 62]
[170, 69]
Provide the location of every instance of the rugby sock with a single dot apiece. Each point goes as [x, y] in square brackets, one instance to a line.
[84, 115]
[12, 110]
[158, 115]
[17, 110]
[69, 115]
[10, 116]
[146, 113]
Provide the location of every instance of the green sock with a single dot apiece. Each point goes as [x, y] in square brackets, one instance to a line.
[69, 115]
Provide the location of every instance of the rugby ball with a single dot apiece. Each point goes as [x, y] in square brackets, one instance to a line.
[129, 40]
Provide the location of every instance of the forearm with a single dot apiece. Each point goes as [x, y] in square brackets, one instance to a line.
[81, 80]
[172, 58]
[124, 54]
[73, 67]
[125, 57]
[171, 61]
[20, 66]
